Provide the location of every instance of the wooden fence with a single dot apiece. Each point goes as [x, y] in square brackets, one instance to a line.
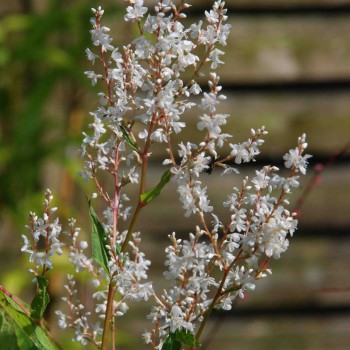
[288, 68]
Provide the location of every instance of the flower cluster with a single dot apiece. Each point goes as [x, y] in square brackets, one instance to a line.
[42, 241]
[126, 278]
[147, 90]
[78, 318]
[256, 229]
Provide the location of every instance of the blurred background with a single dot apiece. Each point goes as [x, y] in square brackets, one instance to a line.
[287, 67]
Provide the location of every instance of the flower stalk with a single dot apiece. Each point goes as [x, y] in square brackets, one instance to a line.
[107, 326]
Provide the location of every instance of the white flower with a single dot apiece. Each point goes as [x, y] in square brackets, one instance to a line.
[147, 337]
[62, 319]
[186, 60]
[195, 89]
[158, 136]
[223, 32]
[84, 245]
[294, 159]
[209, 101]
[101, 38]
[135, 12]
[99, 128]
[212, 16]
[207, 122]
[214, 58]
[238, 220]
[91, 56]
[93, 77]
[261, 180]
[240, 153]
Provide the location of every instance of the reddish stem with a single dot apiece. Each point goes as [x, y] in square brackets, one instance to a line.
[15, 300]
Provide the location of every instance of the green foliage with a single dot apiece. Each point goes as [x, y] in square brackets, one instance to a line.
[175, 340]
[37, 53]
[7, 332]
[128, 138]
[18, 331]
[40, 300]
[98, 240]
[155, 191]
[171, 343]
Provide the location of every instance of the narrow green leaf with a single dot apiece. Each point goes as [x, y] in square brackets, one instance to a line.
[118, 249]
[40, 300]
[29, 335]
[155, 191]
[22, 340]
[7, 332]
[128, 138]
[186, 338]
[233, 289]
[98, 240]
[171, 343]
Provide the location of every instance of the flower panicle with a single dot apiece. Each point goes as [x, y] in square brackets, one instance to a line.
[147, 88]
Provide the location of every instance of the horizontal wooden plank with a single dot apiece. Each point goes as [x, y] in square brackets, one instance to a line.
[327, 205]
[287, 49]
[323, 116]
[279, 333]
[259, 332]
[312, 272]
[274, 49]
[285, 9]
[271, 3]
[37, 5]
[298, 86]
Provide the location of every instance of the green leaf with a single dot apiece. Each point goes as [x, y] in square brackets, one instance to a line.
[41, 299]
[99, 240]
[7, 332]
[187, 338]
[128, 138]
[175, 340]
[155, 191]
[171, 343]
[19, 331]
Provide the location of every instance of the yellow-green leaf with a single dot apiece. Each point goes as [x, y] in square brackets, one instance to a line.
[29, 335]
[40, 300]
[99, 240]
[128, 138]
[155, 191]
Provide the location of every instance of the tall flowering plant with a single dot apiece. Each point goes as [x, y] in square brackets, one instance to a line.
[146, 92]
